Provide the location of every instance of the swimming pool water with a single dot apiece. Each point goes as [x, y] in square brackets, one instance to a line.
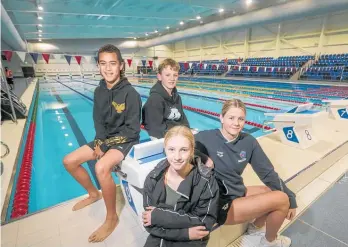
[64, 123]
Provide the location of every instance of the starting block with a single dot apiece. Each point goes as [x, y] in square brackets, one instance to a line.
[338, 109]
[295, 126]
[139, 162]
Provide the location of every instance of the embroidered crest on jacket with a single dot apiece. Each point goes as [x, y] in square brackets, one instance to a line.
[119, 107]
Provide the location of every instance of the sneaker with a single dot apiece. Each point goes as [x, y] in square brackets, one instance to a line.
[280, 241]
[256, 231]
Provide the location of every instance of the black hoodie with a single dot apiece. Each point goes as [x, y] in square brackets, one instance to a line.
[162, 111]
[231, 158]
[116, 114]
[197, 206]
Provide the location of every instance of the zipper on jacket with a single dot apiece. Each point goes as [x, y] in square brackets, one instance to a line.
[110, 103]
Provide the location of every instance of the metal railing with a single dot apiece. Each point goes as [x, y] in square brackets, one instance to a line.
[7, 90]
[7, 150]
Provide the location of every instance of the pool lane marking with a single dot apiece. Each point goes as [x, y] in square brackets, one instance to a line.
[78, 134]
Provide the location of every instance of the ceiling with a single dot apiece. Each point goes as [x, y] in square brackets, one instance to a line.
[130, 19]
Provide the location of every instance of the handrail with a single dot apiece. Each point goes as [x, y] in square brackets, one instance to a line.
[7, 152]
[4, 80]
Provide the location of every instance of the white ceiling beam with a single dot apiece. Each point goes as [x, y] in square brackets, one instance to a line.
[102, 14]
[118, 2]
[87, 25]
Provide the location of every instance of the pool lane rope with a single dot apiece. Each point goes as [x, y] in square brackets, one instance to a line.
[21, 196]
[252, 93]
[206, 97]
[223, 100]
[201, 111]
[217, 115]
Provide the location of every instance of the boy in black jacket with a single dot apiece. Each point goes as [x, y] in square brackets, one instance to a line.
[163, 109]
[116, 115]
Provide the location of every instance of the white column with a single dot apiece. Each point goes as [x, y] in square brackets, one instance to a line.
[322, 37]
[221, 49]
[185, 52]
[246, 42]
[278, 43]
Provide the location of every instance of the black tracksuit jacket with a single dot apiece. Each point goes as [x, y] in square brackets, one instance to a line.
[197, 206]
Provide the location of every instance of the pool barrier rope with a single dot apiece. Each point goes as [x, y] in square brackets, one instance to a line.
[217, 115]
[21, 196]
[206, 112]
[223, 100]
[212, 98]
[252, 93]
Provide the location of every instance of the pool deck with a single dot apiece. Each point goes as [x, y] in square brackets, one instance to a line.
[60, 226]
[11, 134]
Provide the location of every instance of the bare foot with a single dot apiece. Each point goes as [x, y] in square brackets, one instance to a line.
[85, 202]
[104, 230]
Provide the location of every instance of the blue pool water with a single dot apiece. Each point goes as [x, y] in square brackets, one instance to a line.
[64, 123]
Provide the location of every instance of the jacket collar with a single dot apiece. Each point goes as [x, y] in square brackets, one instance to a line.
[159, 89]
[186, 185]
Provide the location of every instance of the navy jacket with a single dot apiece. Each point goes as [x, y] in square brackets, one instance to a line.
[231, 158]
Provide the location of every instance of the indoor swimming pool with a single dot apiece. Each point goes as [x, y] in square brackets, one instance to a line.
[64, 123]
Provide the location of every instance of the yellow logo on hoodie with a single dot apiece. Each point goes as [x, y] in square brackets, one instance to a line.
[119, 107]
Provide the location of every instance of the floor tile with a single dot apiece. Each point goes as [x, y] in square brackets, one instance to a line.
[9, 233]
[303, 235]
[25, 240]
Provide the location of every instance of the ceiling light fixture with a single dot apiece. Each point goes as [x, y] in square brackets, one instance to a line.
[248, 2]
[40, 35]
[40, 40]
[40, 18]
[221, 10]
[146, 34]
[156, 31]
[40, 31]
[135, 38]
[167, 27]
[40, 8]
[181, 23]
[198, 17]
[40, 25]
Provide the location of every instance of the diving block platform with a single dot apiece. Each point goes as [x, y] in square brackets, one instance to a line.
[295, 126]
[338, 109]
[132, 172]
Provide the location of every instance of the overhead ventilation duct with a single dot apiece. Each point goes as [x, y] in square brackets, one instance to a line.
[9, 33]
[291, 10]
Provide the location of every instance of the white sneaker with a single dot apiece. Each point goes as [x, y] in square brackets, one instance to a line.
[256, 231]
[280, 241]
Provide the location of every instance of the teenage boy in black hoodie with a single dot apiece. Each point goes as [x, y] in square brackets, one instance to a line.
[163, 109]
[116, 115]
